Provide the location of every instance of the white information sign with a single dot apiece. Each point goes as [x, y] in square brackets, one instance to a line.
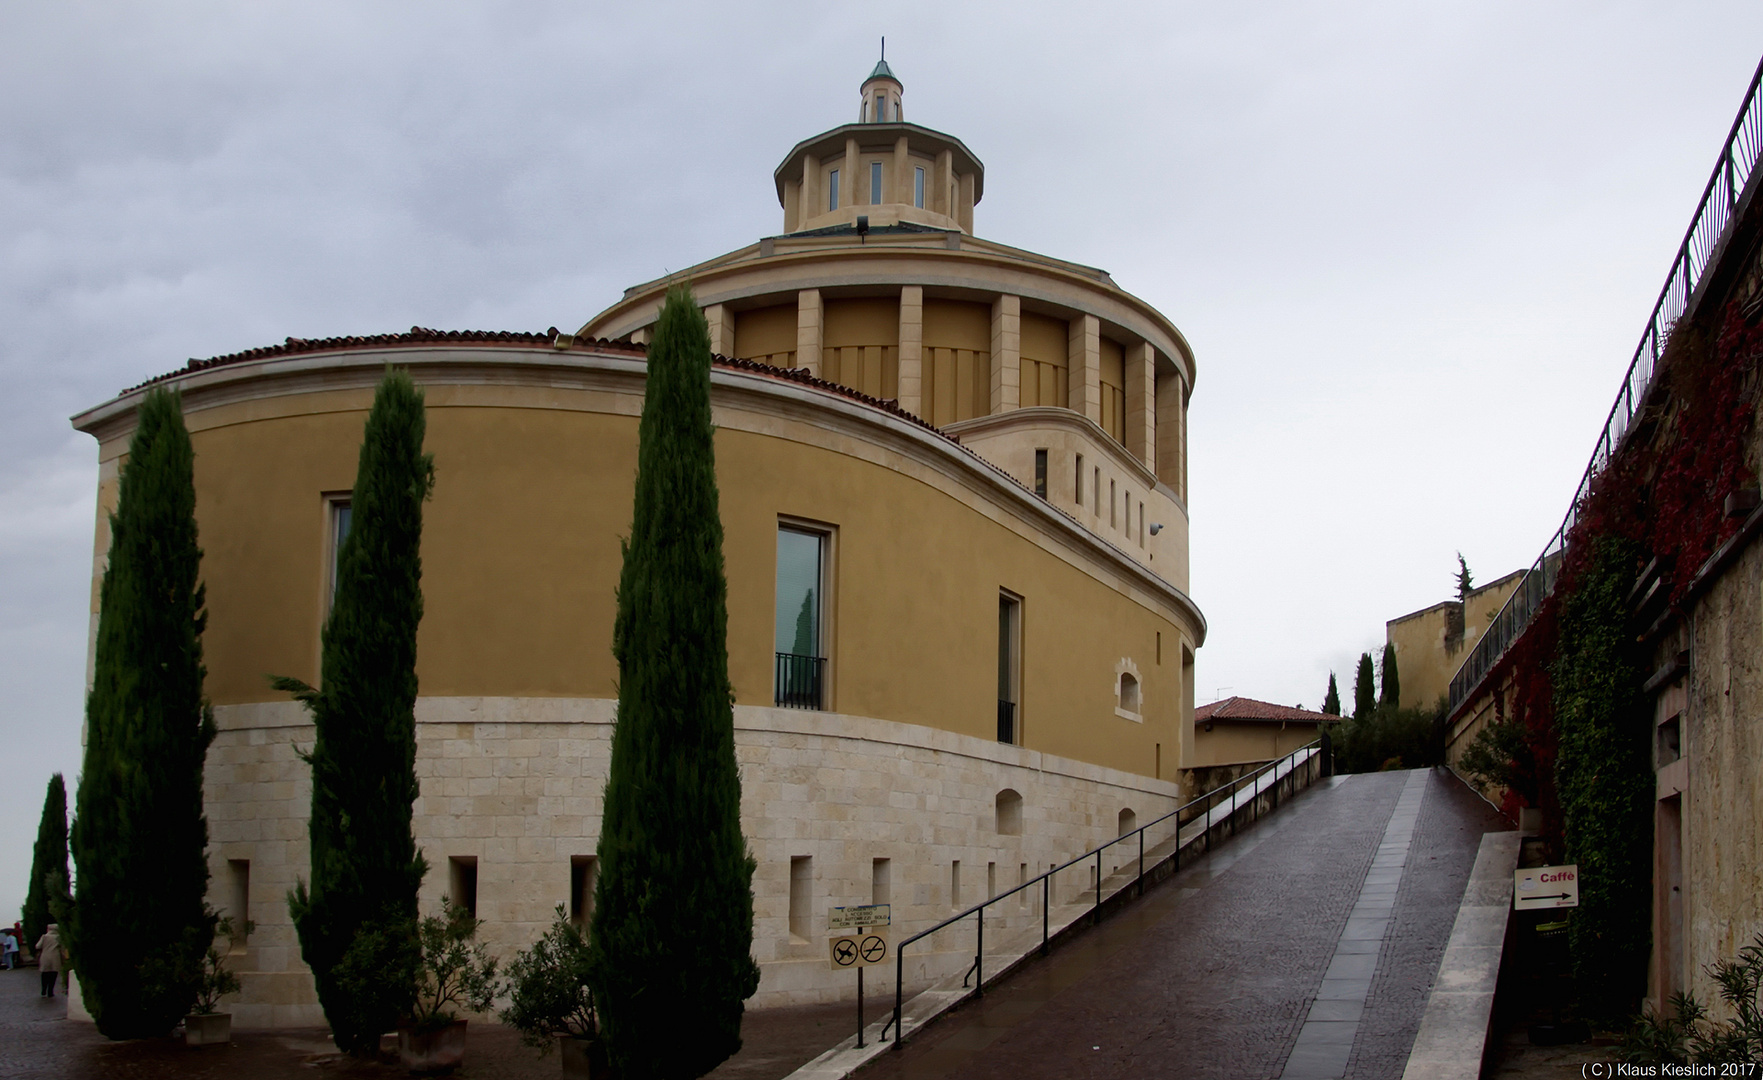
[851, 918]
[860, 950]
[1545, 887]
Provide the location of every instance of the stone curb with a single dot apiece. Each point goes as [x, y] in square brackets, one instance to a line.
[1453, 1037]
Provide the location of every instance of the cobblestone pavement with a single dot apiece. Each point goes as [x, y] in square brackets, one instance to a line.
[36, 1040]
[1212, 974]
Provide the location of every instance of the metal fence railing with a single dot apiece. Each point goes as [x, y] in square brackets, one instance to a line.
[1701, 248]
[799, 680]
[1204, 809]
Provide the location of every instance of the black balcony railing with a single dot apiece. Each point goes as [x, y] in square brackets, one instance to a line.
[1701, 249]
[1007, 721]
[799, 680]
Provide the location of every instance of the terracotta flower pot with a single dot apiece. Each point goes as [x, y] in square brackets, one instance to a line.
[434, 1051]
[583, 1059]
[208, 1029]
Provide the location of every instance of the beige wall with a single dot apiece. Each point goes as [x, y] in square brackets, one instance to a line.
[521, 554]
[1241, 742]
[1431, 644]
[767, 334]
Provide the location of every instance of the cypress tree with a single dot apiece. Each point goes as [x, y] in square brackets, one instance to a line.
[1364, 689]
[1331, 701]
[1391, 697]
[1465, 580]
[48, 859]
[357, 917]
[141, 924]
[673, 922]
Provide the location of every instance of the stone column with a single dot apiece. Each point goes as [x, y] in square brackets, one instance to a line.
[1141, 403]
[902, 191]
[912, 349]
[966, 215]
[808, 321]
[1006, 353]
[945, 176]
[813, 202]
[848, 178]
[1083, 357]
[722, 329]
[1170, 394]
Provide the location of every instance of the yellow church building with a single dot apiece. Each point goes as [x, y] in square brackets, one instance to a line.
[954, 495]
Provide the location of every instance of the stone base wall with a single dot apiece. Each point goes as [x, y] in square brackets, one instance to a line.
[1722, 742]
[515, 784]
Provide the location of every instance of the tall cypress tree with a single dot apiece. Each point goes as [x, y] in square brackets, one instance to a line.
[1364, 689]
[357, 917]
[1465, 580]
[48, 859]
[1331, 701]
[141, 924]
[1392, 680]
[673, 918]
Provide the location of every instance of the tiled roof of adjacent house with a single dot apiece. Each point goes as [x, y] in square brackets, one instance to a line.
[1242, 708]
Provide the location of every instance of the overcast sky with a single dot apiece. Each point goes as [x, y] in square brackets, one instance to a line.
[1412, 245]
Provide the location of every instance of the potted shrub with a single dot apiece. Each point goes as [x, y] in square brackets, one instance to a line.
[550, 1001]
[454, 971]
[206, 1026]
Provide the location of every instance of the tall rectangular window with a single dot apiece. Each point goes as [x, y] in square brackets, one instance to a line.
[1009, 667]
[801, 897]
[918, 187]
[584, 871]
[801, 602]
[338, 515]
[1078, 478]
[881, 108]
[881, 886]
[1141, 524]
[1041, 473]
[832, 191]
[1096, 489]
[875, 173]
[955, 884]
[239, 902]
[462, 882]
[1113, 507]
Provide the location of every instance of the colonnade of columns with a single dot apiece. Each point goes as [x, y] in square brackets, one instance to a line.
[1155, 408]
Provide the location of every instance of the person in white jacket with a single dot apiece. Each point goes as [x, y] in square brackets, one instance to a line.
[49, 959]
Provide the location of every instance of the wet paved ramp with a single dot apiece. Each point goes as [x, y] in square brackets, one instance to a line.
[1302, 948]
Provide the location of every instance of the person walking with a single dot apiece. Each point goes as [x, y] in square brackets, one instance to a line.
[11, 945]
[49, 959]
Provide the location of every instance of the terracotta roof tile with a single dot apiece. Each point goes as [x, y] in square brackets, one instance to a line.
[1241, 708]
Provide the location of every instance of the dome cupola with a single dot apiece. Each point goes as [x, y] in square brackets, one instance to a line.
[879, 100]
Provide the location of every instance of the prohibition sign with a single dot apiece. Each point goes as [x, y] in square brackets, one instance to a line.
[873, 949]
[845, 951]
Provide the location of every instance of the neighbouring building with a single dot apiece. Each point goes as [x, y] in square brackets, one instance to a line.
[954, 495]
[1431, 643]
[1242, 731]
[1684, 420]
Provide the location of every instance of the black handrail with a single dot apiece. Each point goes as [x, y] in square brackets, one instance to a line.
[1702, 243]
[1045, 880]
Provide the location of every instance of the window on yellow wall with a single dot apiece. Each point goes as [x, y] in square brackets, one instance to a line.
[918, 187]
[801, 608]
[832, 192]
[337, 517]
[875, 182]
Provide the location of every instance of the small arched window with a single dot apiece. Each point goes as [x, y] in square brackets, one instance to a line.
[1128, 821]
[1009, 813]
[1129, 692]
